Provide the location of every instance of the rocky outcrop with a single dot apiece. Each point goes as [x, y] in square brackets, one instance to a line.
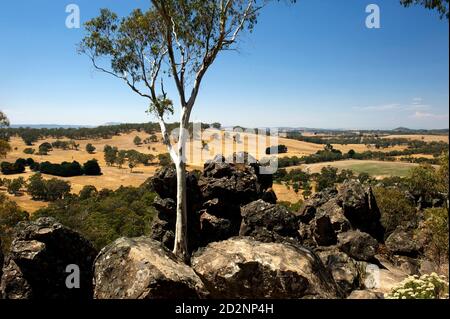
[245, 268]
[164, 183]
[214, 200]
[358, 245]
[346, 271]
[142, 268]
[1, 261]
[268, 222]
[403, 242]
[360, 208]
[335, 211]
[36, 265]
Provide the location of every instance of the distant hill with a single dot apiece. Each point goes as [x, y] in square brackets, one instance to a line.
[49, 126]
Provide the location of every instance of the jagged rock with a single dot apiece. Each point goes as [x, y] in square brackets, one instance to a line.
[309, 207]
[335, 212]
[269, 196]
[365, 294]
[360, 208]
[268, 222]
[245, 268]
[163, 232]
[358, 245]
[345, 270]
[166, 208]
[215, 228]
[408, 265]
[141, 268]
[35, 267]
[402, 242]
[323, 232]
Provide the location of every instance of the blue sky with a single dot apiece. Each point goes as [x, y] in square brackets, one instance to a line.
[314, 64]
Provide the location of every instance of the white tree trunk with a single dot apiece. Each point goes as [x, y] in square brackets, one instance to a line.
[180, 246]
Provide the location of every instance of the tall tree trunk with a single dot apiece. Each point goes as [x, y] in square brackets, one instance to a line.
[180, 247]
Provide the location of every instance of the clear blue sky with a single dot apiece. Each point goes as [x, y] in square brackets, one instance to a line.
[314, 64]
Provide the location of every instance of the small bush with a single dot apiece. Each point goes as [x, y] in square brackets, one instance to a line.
[424, 287]
[29, 151]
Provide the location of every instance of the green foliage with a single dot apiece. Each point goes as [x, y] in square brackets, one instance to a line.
[90, 148]
[441, 6]
[292, 207]
[91, 168]
[327, 178]
[29, 151]
[396, 209]
[423, 182]
[137, 141]
[10, 215]
[105, 216]
[437, 230]
[87, 192]
[47, 190]
[424, 287]
[44, 148]
[12, 168]
[14, 186]
[65, 169]
[164, 159]
[5, 148]
[110, 155]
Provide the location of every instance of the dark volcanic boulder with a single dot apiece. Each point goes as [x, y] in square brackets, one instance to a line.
[360, 208]
[309, 207]
[268, 222]
[141, 268]
[215, 228]
[322, 230]
[358, 245]
[35, 267]
[245, 268]
[403, 242]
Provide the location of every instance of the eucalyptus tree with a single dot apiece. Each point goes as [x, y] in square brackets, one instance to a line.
[174, 40]
[441, 6]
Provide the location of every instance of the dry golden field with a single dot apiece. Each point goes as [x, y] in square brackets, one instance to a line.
[425, 138]
[114, 177]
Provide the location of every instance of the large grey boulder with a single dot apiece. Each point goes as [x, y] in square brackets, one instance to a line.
[358, 245]
[242, 267]
[36, 265]
[142, 268]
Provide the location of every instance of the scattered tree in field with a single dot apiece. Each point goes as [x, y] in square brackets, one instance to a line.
[153, 138]
[216, 125]
[90, 148]
[14, 186]
[351, 153]
[137, 141]
[5, 148]
[88, 191]
[12, 168]
[121, 158]
[44, 148]
[29, 151]
[441, 6]
[30, 137]
[91, 168]
[36, 187]
[110, 155]
[177, 38]
[164, 159]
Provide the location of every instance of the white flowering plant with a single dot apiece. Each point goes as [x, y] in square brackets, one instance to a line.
[430, 286]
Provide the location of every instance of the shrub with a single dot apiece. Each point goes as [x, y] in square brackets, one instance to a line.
[10, 215]
[87, 192]
[164, 159]
[90, 148]
[91, 168]
[437, 231]
[424, 287]
[14, 186]
[44, 148]
[64, 169]
[396, 209]
[4, 148]
[280, 149]
[11, 169]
